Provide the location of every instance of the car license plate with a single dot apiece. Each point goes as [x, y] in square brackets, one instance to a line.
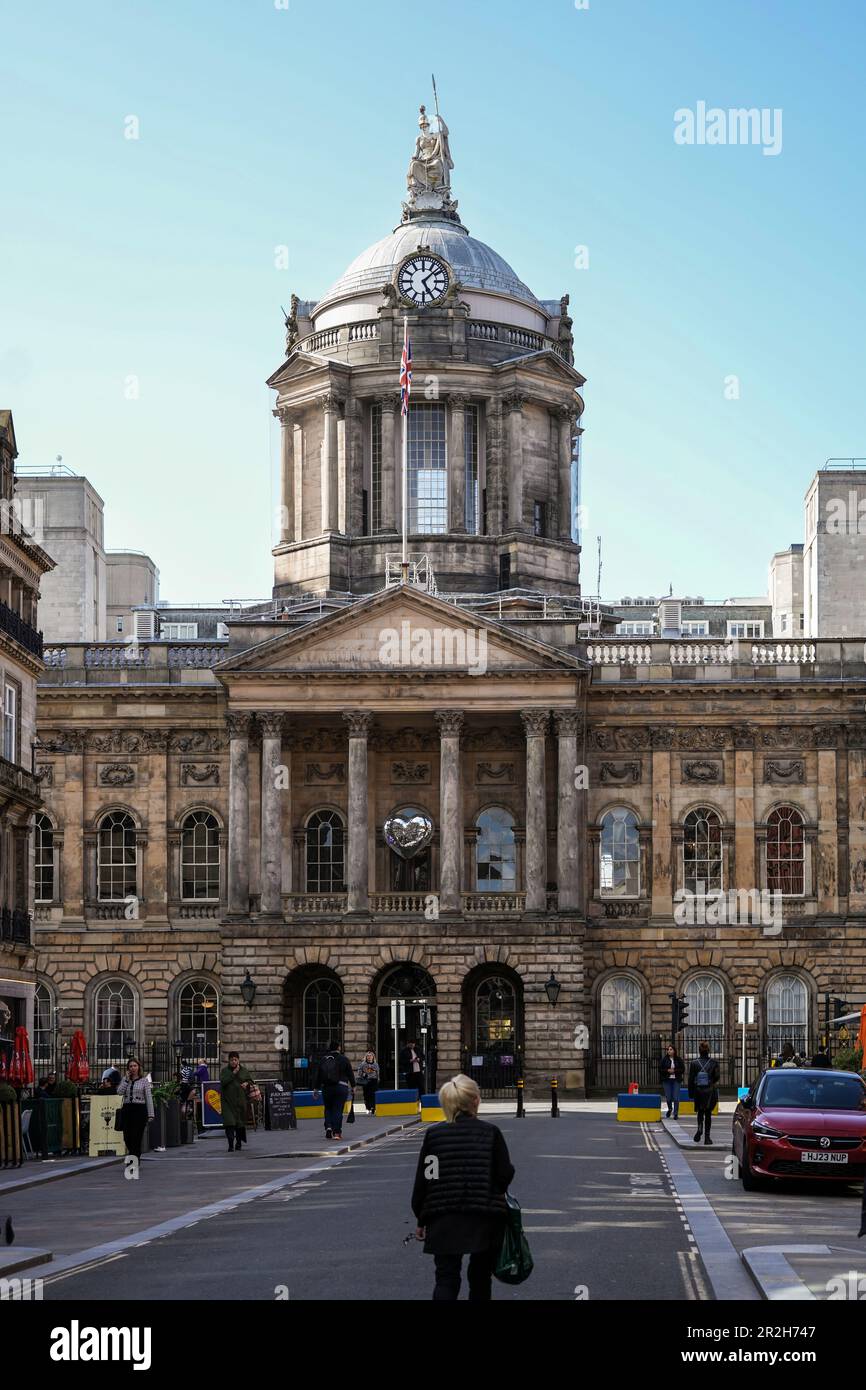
[825, 1158]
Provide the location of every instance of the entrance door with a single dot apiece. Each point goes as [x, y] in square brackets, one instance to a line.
[412, 985]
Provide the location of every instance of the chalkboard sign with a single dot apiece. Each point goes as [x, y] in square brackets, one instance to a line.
[280, 1105]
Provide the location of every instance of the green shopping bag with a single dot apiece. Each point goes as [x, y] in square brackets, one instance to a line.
[514, 1264]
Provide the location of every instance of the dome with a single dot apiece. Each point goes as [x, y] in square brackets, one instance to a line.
[476, 266]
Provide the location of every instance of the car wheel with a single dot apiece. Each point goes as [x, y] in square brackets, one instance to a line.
[747, 1177]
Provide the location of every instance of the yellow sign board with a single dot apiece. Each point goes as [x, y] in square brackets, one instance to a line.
[104, 1138]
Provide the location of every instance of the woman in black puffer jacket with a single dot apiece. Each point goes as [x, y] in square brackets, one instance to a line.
[459, 1195]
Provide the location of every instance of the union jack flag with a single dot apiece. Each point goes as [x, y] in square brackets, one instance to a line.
[405, 372]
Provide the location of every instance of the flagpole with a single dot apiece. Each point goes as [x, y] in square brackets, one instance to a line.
[404, 564]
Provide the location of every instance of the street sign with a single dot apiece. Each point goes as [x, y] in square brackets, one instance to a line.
[398, 1013]
[746, 1008]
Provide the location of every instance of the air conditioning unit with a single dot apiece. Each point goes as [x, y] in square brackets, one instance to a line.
[145, 625]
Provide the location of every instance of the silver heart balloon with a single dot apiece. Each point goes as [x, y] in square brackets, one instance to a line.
[408, 835]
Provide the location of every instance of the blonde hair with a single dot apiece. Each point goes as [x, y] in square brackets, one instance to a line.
[458, 1096]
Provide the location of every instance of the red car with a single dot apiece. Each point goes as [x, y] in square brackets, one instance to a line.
[802, 1122]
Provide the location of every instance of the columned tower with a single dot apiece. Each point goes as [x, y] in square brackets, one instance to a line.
[493, 425]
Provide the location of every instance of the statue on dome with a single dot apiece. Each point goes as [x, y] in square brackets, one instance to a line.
[431, 164]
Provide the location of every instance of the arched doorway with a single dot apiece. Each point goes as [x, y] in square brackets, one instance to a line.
[313, 1013]
[493, 1028]
[413, 987]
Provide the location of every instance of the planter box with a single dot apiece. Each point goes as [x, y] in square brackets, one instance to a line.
[163, 1131]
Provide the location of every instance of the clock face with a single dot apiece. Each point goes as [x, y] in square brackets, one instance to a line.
[423, 279]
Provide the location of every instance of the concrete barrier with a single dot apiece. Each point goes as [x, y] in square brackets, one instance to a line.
[431, 1110]
[638, 1107]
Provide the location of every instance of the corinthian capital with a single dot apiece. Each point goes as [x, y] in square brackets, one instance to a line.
[450, 722]
[331, 402]
[239, 722]
[535, 722]
[270, 722]
[568, 722]
[514, 401]
[360, 721]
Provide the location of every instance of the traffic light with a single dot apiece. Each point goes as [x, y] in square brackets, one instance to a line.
[840, 1008]
[679, 1013]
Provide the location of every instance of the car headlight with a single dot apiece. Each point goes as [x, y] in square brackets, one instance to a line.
[762, 1130]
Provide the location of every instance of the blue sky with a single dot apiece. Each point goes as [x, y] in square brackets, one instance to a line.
[154, 259]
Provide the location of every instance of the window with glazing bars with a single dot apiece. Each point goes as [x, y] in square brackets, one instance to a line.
[375, 469]
[428, 477]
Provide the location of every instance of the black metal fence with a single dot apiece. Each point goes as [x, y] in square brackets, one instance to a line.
[617, 1061]
[496, 1073]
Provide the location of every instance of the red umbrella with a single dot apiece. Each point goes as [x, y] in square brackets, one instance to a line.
[21, 1069]
[79, 1068]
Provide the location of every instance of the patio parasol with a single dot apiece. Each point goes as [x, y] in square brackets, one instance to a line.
[21, 1066]
[79, 1067]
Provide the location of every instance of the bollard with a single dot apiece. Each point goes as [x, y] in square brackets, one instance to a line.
[521, 1113]
[554, 1099]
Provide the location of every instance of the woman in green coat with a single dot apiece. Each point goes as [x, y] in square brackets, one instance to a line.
[236, 1083]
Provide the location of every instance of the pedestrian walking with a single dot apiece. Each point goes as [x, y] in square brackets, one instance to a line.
[367, 1077]
[821, 1058]
[788, 1057]
[236, 1084]
[335, 1081]
[704, 1090]
[413, 1067]
[463, 1173]
[136, 1106]
[672, 1069]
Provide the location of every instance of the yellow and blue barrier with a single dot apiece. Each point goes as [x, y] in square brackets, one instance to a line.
[638, 1106]
[309, 1108]
[687, 1107]
[431, 1110]
[397, 1102]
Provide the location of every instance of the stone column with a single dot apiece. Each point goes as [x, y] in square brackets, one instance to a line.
[565, 419]
[493, 468]
[514, 405]
[388, 465]
[330, 491]
[287, 476]
[568, 836]
[357, 871]
[450, 809]
[239, 813]
[535, 722]
[354, 468]
[827, 875]
[745, 870]
[661, 740]
[271, 842]
[457, 463]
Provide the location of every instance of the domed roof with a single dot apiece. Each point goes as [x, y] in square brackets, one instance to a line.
[476, 265]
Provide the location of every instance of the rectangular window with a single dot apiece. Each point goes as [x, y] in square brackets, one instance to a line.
[178, 632]
[10, 723]
[745, 629]
[636, 629]
[539, 519]
[470, 441]
[694, 628]
[375, 469]
[428, 477]
[505, 571]
[120, 624]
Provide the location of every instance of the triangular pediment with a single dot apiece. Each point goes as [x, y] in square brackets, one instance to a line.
[400, 631]
[302, 365]
[545, 362]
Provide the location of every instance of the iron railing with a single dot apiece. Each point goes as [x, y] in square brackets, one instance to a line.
[23, 632]
[618, 1060]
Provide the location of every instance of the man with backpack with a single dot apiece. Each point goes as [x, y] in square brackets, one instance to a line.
[336, 1081]
[703, 1087]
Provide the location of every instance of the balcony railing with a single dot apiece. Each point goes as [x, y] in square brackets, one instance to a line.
[399, 904]
[314, 904]
[823, 658]
[17, 779]
[24, 633]
[493, 904]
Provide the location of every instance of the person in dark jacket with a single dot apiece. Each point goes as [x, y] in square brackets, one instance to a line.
[412, 1066]
[463, 1173]
[703, 1087]
[672, 1069]
[335, 1080]
[821, 1058]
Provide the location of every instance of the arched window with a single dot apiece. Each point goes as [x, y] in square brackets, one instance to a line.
[787, 1012]
[428, 479]
[117, 855]
[43, 1029]
[786, 851]
[198, 1019]
[495, 856]
[619, 854]
[200, 856]
[325, 853]
[323, 1015]
[702, 852]
[706, 1018]
[620, 1012]
[115, 1020]
[43, 856]
[495, 1015]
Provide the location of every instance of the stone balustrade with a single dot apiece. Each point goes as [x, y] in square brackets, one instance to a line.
[657, 658]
